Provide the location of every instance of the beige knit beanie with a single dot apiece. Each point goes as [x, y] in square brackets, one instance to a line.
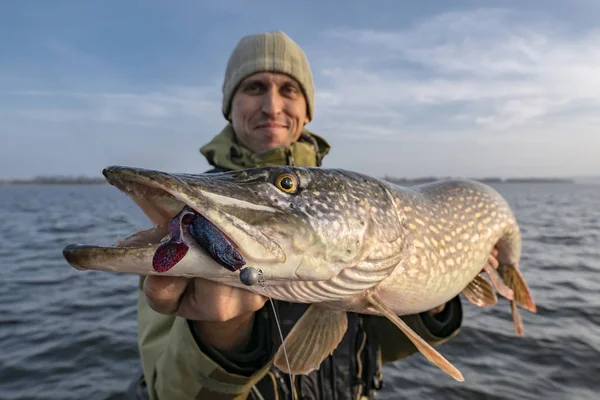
[267, 52]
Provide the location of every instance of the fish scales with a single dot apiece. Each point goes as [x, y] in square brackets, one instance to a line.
[340, 227]
[453, 225]
[337, 239]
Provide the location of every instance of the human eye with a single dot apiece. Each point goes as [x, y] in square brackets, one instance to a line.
[290, 90]
[253, 87]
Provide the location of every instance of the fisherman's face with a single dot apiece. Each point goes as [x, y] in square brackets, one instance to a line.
[268, 111]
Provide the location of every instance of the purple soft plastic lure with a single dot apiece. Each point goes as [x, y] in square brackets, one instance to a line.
[215, 243]
[206, 235]
[171, 252]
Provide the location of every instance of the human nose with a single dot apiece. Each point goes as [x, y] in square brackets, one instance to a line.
[272, 103]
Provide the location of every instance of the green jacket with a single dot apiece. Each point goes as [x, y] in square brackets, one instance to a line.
[177, 366]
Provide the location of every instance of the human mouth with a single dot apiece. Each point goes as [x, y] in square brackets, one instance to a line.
[270, 127]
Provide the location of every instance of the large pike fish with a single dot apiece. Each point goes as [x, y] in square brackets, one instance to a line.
[339, 240]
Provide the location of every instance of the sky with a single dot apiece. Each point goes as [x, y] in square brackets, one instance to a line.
[403, 88]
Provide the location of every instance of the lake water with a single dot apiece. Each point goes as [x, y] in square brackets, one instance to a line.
[68, 334]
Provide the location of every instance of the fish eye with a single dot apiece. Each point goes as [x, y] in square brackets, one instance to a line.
[286, 182]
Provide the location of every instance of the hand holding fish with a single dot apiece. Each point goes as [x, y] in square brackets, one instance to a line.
[223, 315]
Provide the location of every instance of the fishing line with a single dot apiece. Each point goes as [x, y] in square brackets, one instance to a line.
[263, 284]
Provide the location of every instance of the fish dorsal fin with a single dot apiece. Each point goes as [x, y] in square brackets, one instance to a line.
[429, 352]
[314, 337]
[480, 292]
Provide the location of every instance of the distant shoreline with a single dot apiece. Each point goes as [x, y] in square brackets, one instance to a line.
[54, 181]
[399, 181]
[416, 181]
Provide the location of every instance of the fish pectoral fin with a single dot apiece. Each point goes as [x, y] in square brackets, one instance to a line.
[425, 348]
[314, 337]
[498, 282]
[480, 292]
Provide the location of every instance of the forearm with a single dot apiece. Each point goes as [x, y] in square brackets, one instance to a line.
[229, 336]
[175, 366]
[245, 360]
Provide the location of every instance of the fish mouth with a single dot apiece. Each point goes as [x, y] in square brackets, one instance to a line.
[161, 196]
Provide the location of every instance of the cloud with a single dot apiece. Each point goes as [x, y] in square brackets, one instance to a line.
[484, 70]
[486, 91]
[173, 105]
[63, 132]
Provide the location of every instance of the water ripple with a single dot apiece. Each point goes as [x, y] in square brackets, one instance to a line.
[68, 334]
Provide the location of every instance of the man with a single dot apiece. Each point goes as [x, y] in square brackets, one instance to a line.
[203, 340]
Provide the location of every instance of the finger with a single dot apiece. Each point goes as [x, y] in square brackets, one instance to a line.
[437, 310]
[209, 301]
[163, 293]
[494, 252]
[493, 261]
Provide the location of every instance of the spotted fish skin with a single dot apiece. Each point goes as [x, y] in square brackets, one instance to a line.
[340, 240]
[452, 226]
[336, 236]
[399, 242]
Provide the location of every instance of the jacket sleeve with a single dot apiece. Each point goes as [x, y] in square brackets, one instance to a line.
[175, 367]
[436, 330]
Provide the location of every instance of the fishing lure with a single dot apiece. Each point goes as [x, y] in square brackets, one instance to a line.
[172, 251]
[206, 234]
[212, 240]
